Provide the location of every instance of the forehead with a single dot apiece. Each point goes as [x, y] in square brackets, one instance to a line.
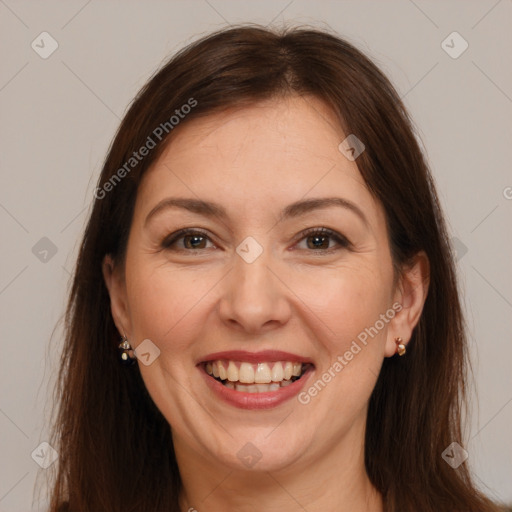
[271, 153]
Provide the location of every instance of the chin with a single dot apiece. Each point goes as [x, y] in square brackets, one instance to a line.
[262, 449]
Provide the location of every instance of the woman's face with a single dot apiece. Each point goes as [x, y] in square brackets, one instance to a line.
[246, 288]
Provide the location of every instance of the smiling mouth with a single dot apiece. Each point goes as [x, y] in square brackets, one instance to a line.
[261, 377]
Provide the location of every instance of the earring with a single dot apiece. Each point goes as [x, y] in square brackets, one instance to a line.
[125, 358]
[400, 347]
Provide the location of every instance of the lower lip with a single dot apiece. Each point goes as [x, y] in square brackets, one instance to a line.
[266, 400]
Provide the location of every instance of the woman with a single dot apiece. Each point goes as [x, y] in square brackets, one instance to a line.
[264, 313]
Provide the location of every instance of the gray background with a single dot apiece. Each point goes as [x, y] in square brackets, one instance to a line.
[58, 116]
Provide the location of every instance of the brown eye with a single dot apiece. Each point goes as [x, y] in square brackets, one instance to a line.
[318, 239]
[192, 240]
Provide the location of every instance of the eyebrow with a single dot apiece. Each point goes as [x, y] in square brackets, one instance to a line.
[214, 210]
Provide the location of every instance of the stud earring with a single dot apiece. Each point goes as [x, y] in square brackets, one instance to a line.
[400, 347]
[125, 358]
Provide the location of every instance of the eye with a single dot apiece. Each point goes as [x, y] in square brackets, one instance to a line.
[192, 239]
[319, 238]
[195, 240]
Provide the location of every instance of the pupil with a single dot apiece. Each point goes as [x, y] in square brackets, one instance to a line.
[194, 239]
[316, 239]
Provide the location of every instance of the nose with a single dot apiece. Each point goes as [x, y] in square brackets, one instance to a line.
[254, 298]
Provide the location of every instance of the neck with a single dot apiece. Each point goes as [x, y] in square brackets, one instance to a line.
[334, 480]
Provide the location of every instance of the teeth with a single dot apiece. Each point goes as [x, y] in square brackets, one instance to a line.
[250, 378]
[257, 388]
[246, 374]
[223, 374]
[232, 372]
[247, 388]
[277, 372]
[262, 375]
[288, 370]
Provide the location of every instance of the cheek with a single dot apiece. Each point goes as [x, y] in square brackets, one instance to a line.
[351, 309]
[347, 299]
[164, 302]
[351, 306]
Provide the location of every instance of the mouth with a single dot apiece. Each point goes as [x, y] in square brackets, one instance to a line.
[260, 377]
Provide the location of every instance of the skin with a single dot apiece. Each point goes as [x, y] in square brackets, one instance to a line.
[294, 297]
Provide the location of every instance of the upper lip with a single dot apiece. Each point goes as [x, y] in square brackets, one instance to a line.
[262, 356]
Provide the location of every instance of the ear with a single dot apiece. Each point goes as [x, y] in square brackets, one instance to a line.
[115, 283]
[409, 297]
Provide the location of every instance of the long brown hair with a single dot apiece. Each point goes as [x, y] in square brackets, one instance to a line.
[115, 448]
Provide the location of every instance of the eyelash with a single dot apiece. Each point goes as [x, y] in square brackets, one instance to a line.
[321, 232]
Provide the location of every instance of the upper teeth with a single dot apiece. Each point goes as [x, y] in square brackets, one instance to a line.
[260, 373]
